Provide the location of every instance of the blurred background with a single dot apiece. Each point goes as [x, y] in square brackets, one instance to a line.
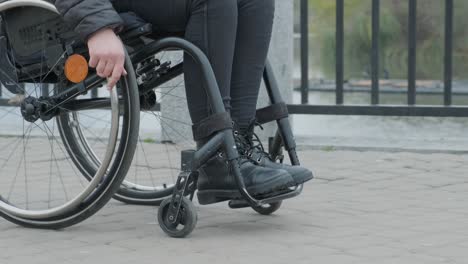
[389, 132]
[393, 39]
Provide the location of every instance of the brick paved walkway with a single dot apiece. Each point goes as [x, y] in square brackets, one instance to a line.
[364, 207]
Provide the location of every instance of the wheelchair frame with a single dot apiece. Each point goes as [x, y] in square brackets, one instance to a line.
[223, 139]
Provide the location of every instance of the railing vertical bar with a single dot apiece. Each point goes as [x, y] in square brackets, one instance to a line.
[412, 52]
[94, 93]
[45, 89]
[448, 59]
[304, 51]
[339, 51]
[375, 51]
[1, 90]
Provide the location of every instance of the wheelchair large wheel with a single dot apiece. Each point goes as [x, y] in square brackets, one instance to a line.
[41, 184]
[164, 132]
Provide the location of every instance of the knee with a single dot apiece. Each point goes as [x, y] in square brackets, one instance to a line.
[225, 9]
[223, 6]
[266, 7]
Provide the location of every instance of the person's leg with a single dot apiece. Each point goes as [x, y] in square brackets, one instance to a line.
[253, 39]
[210, 25]
[165, 16]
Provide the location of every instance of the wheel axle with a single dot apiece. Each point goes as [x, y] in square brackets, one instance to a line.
[33, 109]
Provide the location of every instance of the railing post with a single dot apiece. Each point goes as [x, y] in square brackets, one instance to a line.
[448, 52]
[94, 93]
[375, 51]
[304, 51]
[45, 89]
[339, 51]
[412, 52]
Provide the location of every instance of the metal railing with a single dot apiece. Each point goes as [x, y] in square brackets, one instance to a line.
[375, 108]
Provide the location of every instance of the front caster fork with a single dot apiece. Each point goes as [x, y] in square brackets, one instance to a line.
[177, 216]
[185, 186]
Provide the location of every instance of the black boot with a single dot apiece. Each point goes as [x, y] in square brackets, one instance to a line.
[216, 183]
[259, 156]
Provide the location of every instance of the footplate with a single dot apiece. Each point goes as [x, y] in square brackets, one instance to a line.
[270, 198]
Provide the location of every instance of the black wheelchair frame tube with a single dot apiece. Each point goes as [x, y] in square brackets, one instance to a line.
[223, 139]
[284, 126]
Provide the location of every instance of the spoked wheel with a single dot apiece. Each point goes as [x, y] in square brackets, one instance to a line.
[165, 130]
[41, 184]
[182, 226]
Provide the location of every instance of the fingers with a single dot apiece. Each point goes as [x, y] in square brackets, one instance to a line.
[108, 69]
[107, 56]
[101, 66]
[111, 67]
[93, 60]
[116, 74]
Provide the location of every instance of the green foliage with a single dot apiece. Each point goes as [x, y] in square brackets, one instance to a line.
[393, 37]
[328, 148]
[149, 140]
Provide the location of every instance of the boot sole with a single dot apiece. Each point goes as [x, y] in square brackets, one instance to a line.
[217, 196]
[303, 178]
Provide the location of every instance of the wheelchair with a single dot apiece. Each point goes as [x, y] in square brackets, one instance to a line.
[72, 144]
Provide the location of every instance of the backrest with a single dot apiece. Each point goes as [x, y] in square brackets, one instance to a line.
[29, 28]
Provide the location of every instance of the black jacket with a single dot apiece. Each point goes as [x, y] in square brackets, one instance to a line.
[88, 16]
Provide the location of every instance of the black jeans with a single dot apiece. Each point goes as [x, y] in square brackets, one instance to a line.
[234, 34]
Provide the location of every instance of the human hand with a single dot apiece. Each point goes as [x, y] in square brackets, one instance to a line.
[107, 55]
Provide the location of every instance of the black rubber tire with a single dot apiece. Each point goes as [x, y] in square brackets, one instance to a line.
[88, 168]
[117, 170]
[268, 210]
[139, 197]
[148, 198]
[188, 217]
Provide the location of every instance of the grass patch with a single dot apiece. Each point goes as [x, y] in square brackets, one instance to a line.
[328, 148]
[149, 140]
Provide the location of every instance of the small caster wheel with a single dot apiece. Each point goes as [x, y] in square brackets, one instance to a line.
[186, 222]
[268, 209]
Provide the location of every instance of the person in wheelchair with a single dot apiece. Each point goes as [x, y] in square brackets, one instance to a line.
[235, 35]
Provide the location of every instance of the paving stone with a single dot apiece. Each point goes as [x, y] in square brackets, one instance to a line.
[366, 207]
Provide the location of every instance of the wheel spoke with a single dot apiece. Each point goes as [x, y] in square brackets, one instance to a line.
[25, 171]
[21, 159]
[65, 154]
[146, 160]
[52, 153]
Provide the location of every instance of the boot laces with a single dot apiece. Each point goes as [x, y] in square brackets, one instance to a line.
[242, 147]
[250, 143]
